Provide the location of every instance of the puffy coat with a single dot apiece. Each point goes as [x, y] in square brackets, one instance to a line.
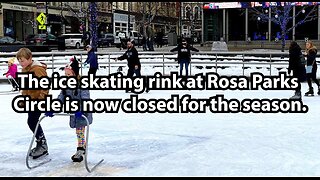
[39, 70]
[77, 94]
[12, 71]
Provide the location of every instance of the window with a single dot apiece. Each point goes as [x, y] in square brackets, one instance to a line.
[196, 13]
[188, 12]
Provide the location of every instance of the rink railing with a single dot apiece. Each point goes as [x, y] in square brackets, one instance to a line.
[211, 59]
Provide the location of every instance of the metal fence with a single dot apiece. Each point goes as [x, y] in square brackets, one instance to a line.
[205, 60]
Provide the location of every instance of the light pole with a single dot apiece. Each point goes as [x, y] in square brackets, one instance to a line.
[47, 24]
[129, 18]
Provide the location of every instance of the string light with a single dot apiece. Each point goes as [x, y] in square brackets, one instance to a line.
[93, 24]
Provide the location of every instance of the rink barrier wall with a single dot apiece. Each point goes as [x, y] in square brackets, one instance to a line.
[56, 60]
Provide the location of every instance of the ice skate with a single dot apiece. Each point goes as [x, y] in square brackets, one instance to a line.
[40, 149]
[78, 156]
[296, 96]
[310, 92]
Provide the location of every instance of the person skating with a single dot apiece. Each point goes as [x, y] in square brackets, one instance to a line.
[24, 56]
[297, 67]
[12, 71]
[132, 56]
[77, 121]
[311, 53]
[92, 59]
[184, 55]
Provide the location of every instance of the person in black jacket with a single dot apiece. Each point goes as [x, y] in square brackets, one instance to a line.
[184, 55]
[297, 67]
[311, 53]
[132, 57]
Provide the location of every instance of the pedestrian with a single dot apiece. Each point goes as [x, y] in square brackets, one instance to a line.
[76, 121]
[92, 59]
[132, 56]
[311, 53]
[184, 55]
[24, 56]
[144, 43]
[296, 66]
[150, 43]
[11, 74]
[159, 38]
[86, 39]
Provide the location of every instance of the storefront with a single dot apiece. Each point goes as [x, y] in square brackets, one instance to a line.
[236, 21]
[18, 21]
[104, 21]
[121, 21]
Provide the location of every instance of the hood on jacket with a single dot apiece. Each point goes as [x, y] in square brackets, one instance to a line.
[313, 49]
[35, 65]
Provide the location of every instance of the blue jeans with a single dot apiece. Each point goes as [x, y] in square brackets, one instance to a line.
[184, 62]
[132, 71]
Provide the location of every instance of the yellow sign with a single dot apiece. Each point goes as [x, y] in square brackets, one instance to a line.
[41, 18]
[42, 27]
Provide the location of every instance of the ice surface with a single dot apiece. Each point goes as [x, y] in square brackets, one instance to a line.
[184, 144]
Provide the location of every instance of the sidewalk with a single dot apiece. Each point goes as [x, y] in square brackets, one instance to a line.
[162, 49]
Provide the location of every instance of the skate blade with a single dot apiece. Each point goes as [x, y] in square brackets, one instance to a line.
[310, 95]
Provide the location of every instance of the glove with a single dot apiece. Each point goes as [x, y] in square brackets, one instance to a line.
[4, 74]
[49, 114]
[78, 114]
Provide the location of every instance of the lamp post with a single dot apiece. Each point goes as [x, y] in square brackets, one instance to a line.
[129, 18]
[47, 24]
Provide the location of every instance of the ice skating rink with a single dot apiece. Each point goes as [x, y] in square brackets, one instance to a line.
[172, 144]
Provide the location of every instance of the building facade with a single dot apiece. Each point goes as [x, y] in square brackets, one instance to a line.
[191, 20]
[161, 16]
[18, 19]
[237, 21]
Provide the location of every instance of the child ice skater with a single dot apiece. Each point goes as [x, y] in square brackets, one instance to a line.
[76, 121]
[11, 74]
[24, 56]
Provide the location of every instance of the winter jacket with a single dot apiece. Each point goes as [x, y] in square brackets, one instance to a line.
[132, 57]
[311, 58]
[184, 52]
[92, 59]
[79, 95]
[295, 65]
[39, 70]
[12, 71]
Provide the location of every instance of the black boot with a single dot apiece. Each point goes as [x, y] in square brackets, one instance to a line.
[310, 92]
[296, 96]
[78, 156]
[40, 149]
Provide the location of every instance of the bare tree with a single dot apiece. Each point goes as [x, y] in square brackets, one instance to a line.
[282, 15]
[79, 13]
[149, 11]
